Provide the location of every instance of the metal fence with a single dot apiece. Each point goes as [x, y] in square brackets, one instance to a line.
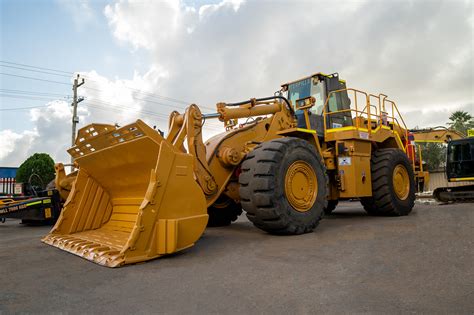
[7, 186]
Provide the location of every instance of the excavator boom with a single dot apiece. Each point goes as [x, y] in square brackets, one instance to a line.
[437, 134]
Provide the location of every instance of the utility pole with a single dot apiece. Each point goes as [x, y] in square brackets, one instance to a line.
[75, 118]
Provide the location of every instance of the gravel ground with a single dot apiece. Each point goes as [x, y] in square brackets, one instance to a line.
[352, 263]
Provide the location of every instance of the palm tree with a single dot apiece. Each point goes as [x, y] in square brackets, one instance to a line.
[461, 121]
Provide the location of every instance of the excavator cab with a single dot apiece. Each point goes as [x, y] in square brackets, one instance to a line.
[460, 162]
[319, 86]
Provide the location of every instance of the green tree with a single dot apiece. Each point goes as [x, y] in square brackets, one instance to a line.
[461, 121]
[434, 155]
[39, 163]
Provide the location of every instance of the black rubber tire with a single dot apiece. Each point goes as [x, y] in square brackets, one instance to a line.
[332, 204]
[262, 186]
[384, 201]
[223, 212]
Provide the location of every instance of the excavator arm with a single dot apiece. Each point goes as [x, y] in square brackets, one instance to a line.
[436, 134]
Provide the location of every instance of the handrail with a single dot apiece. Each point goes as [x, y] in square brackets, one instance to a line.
[384, 112]
[326, 104]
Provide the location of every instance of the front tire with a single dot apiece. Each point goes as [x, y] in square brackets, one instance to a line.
[393, 184]
[283, 186]
[223, 212]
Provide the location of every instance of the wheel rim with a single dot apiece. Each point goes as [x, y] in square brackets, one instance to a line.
[401, 182]
[301, 186]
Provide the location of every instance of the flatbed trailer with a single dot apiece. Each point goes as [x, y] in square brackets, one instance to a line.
[41, 209]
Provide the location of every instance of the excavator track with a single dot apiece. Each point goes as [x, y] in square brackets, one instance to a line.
[454, 194]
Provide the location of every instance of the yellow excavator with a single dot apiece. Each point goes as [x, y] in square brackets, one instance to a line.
[459, 162]
[285, 160]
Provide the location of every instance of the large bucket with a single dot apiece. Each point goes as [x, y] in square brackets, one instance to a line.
[135, 198]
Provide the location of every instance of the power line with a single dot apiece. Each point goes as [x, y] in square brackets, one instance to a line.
[167, 98]
[32, 78]
[21, 108]
[146, 93]
[30, 66]
[127, 107]
[105, 108]
[30, 92]
[124, 107]
[41, 96]
[162, 97]
[37, 71]
[104, 105]
[108, 107]
[150, 101]
[28, 97]
[89, 79]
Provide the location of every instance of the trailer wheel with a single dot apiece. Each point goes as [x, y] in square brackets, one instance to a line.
[223, 212]
[332, 204]
[393, 184]
[283, 186]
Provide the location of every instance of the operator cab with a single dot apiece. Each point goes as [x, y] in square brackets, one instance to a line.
[460, 161]
[319, 86]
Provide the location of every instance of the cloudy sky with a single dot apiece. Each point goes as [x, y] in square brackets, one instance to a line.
[142, 59]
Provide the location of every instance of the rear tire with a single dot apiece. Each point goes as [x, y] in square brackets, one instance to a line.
[283, 186]
[223, 212]
[389, 198]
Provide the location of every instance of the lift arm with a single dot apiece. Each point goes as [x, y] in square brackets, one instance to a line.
[185, 134]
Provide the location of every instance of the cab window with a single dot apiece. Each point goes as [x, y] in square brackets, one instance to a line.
[299, 90]
[318, 91]
[306, 88]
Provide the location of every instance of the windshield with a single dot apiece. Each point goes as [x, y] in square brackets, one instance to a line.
[299, 90]
[305, 88]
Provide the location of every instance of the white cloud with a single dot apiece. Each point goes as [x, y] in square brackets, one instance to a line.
[418, 52]
[14, 143]
[234, 50]
[123, 101]
[208, 9]
[142, 15]
[51, 133]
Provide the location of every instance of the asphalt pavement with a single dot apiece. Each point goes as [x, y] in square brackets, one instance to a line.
[352, 263]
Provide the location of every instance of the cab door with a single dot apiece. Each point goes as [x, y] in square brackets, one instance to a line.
[337, 102]
[460, 161]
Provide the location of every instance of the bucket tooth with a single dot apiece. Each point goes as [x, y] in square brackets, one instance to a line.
[134, 198]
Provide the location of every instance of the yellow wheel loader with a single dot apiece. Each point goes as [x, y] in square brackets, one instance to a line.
[285, 160]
